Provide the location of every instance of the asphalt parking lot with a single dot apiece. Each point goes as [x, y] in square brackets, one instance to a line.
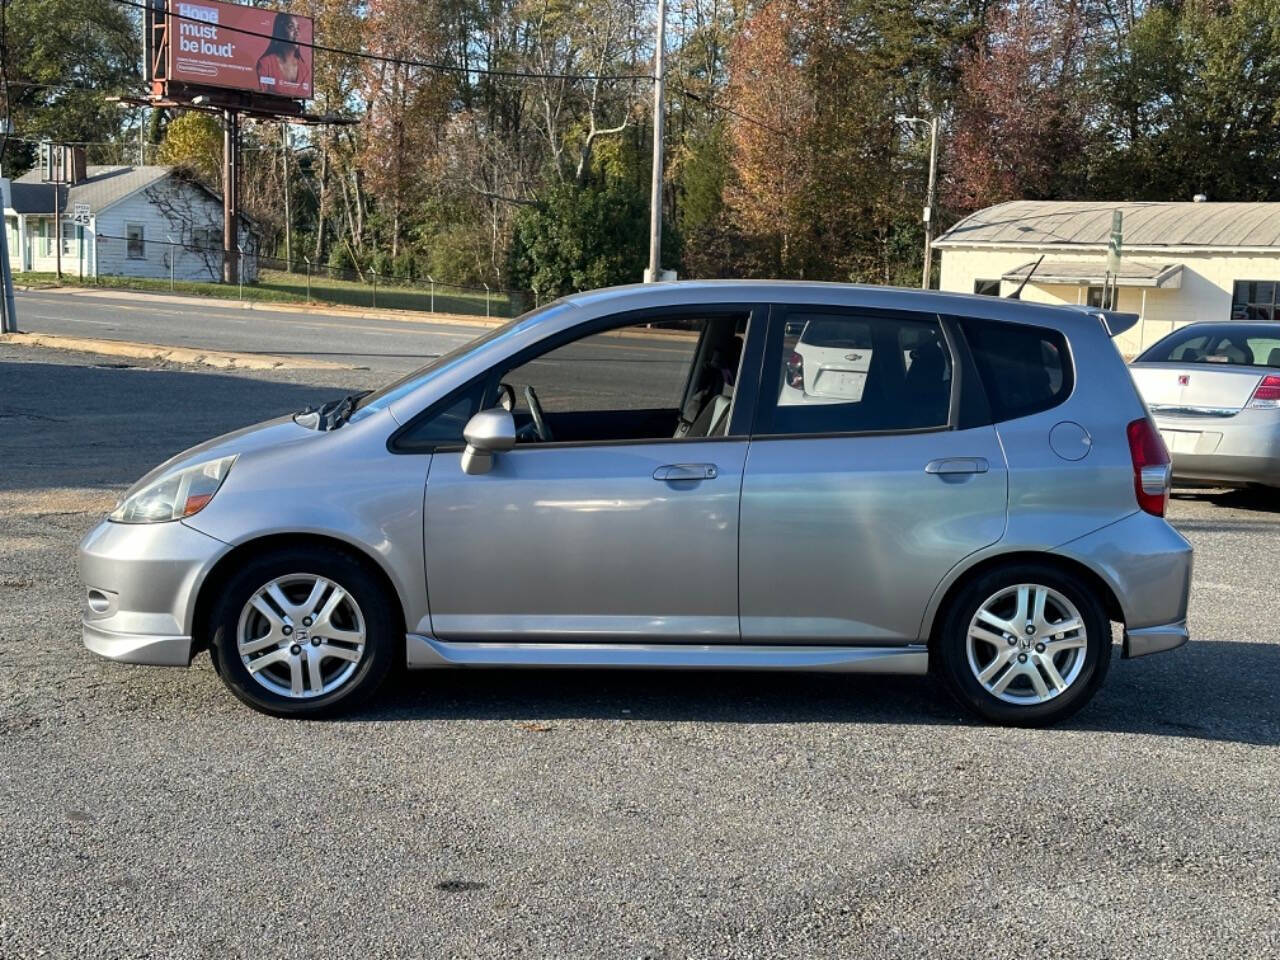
[145, 813]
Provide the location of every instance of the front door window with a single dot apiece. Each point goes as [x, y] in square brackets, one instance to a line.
[652, 380]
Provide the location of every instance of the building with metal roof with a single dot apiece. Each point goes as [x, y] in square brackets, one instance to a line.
[144, 221]
[1177, 262]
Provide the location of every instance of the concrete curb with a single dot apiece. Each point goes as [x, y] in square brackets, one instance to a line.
[218, 359]
[355, 313]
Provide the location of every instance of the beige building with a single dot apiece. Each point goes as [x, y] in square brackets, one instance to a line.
[1179, 261]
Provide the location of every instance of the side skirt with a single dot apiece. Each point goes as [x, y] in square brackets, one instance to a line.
[428, 653]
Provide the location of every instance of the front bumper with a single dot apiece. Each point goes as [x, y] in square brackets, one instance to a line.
[137, 647]
[1145, 640]
[141, 582]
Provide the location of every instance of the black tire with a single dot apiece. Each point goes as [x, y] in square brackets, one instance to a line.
[381, 643]
[951, 657]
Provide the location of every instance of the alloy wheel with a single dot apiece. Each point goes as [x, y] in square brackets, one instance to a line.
[1026, 644]
[301, 636]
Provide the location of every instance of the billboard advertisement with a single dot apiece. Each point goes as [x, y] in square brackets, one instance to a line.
[218, 44]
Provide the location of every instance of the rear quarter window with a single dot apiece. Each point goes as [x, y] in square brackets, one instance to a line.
[1024, 369]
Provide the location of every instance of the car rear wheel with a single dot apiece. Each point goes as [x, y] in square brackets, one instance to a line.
[303, 633]
[1026, 645]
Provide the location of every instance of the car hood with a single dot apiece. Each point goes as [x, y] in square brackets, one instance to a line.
[276, 433]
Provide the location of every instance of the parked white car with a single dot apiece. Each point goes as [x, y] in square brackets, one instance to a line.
[828, 363]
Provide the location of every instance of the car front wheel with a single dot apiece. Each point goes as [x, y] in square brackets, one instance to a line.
[1026, 645]
[303, 633]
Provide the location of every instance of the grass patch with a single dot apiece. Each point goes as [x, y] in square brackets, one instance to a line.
[276, 286]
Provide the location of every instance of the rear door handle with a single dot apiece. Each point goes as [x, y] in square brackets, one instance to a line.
[686, 471]
[950, 465]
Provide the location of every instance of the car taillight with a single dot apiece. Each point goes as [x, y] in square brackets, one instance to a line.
[795, 371]
[1267, 394]
[1151, 466]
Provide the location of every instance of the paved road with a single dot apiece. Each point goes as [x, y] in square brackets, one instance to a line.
[388, 346]
[146, 813]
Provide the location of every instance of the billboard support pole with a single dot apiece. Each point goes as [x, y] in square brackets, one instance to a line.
[288, 218]
[230, 196]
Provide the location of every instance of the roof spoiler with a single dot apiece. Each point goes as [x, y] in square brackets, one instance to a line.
[1113, 321]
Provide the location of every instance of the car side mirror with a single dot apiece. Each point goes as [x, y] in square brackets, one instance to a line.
[488, 432]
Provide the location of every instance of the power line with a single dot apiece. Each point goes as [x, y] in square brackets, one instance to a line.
[717, 105]
[406, 62]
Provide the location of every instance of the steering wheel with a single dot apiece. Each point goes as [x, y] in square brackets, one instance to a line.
[539, 421]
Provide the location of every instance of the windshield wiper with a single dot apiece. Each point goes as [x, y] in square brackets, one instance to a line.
[335, 414]
[329, 415]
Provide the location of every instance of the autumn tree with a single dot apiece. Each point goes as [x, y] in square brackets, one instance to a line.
[1020, 116]
[193, 141]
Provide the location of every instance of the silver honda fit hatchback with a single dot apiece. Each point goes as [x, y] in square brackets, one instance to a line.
[723, 475]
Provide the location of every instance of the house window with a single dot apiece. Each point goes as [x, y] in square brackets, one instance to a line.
[987, 288]
[135, 241]
[68, 239]
[44, 233]
[1095, 298]
[1254, 300]
[206, 238]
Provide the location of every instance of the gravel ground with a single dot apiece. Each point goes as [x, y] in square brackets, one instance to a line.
[145, 813]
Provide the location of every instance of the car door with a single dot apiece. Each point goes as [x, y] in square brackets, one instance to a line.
[859, 497]
[616, 530]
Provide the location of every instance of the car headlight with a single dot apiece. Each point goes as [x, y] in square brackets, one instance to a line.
[174, 495]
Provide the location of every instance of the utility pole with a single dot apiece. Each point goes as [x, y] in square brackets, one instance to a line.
[288, 220]
[929, 195]
[928, 210]
[57, 208]
[654, 273]
[230, 196]
[8, 311]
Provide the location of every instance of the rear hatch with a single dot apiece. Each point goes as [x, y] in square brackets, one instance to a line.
[1196, 389]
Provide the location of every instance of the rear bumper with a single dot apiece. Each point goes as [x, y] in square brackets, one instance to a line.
[1244, 448]
[1226, 469]
[1148, 566]
[1145, 640]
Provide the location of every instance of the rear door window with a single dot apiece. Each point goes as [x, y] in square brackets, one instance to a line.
[1024, 369]
[854, 372]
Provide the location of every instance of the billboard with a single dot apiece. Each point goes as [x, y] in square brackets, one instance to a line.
[216, 44]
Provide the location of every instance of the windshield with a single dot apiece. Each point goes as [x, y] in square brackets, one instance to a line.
[382, 398]
[1242, 344]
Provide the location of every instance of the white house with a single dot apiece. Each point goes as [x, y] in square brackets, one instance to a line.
[1179, 261]
[142, 221]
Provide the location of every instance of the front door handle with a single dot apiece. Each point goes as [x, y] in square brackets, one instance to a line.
[952, 465]
[686, 471]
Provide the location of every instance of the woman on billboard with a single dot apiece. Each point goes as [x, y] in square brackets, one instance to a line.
[283, 68]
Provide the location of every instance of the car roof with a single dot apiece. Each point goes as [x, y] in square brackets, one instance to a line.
[1273, 325]
[813, 293]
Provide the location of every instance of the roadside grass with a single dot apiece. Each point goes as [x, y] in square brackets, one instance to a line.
[277, 286]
